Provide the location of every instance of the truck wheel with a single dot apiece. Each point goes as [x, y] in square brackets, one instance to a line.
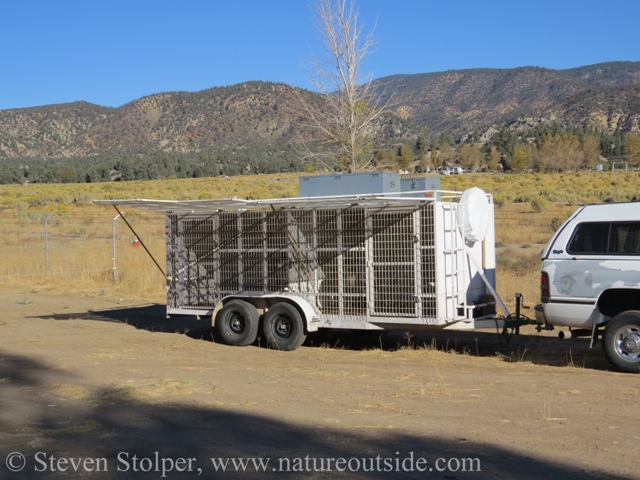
[621, 341]
[237, 323]
[283, 327]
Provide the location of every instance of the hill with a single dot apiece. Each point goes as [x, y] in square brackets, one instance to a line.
[460, 102]
[262, 114]
[248, 114]
[607, 109]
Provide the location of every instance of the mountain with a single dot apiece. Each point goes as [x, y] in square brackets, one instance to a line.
[49, 131]
[249, 114]
[606, 109]
[460, 102]
[607, 74]
[262, 114]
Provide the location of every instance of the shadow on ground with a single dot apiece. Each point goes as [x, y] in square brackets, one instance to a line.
[528, 346]
[107, 424]
[151, 317]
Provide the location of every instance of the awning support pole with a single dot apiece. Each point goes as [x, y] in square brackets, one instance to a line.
[140, 240]
[486, 282]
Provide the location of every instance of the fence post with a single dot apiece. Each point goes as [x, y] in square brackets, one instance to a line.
[113, 231]
[46, 239]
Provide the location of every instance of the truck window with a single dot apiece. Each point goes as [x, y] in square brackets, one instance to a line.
[625, 238]
[621, 238]
[590, 238]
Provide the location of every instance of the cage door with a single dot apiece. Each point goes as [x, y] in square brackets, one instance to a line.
[395, 265]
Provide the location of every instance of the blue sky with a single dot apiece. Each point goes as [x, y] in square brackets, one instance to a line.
[112, 52]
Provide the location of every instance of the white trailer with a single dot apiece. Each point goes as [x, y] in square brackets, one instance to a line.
[363, 262]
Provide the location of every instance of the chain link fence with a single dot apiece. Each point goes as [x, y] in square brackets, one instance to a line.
[91, 248]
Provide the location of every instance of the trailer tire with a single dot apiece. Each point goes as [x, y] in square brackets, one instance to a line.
[237, 323]
[621, 341]
[283, 327]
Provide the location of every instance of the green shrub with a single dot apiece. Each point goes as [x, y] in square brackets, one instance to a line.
[524, 197]
[501, 200]
[81, 198]
[540, 204]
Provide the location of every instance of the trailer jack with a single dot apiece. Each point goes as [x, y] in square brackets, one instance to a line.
[514, 321]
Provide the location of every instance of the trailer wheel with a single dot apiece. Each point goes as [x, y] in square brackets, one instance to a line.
[283, 327]
[621, 341]
[237, 323]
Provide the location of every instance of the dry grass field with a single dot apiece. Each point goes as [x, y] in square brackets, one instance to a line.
[80, 233]
[90, 367]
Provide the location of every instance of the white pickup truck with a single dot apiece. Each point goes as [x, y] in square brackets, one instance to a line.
[590, 279]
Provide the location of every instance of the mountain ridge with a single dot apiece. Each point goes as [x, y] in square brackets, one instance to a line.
[605, 96]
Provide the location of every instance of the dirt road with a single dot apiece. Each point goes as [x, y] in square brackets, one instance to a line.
[102, 380]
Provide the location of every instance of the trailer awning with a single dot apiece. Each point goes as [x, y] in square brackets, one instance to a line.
[235, 204]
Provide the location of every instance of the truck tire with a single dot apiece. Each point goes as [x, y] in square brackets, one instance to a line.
[283, 327]
[621, 341]
[237, 323]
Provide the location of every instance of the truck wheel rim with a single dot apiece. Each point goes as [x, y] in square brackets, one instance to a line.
[628, 343]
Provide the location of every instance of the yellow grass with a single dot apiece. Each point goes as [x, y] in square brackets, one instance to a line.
[254, 186]
[80, 239]
[81, 254]
[521, 234]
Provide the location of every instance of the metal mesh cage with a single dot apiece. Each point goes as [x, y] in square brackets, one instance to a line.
[358, 261]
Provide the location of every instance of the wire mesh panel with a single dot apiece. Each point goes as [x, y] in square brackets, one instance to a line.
[171, 227]
[211, 257]
[229, 252]
[341, 259]
[359, 262]
[353, 259]
[253, 267]
[305, 275]
[427, 262]
[277, 252]
[393, 264]
[327, 221]
[199, 247]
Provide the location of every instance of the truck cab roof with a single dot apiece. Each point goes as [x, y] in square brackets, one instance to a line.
[606, 212]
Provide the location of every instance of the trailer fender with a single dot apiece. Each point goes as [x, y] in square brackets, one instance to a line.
[263, 302]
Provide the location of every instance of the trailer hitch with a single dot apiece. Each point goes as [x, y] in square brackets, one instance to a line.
[516, 320]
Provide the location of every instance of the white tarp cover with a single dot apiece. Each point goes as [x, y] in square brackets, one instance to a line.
[474, 214]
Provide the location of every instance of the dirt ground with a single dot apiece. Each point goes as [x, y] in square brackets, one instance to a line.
[91, 377]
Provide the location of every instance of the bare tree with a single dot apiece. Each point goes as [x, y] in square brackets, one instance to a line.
[346, 119]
